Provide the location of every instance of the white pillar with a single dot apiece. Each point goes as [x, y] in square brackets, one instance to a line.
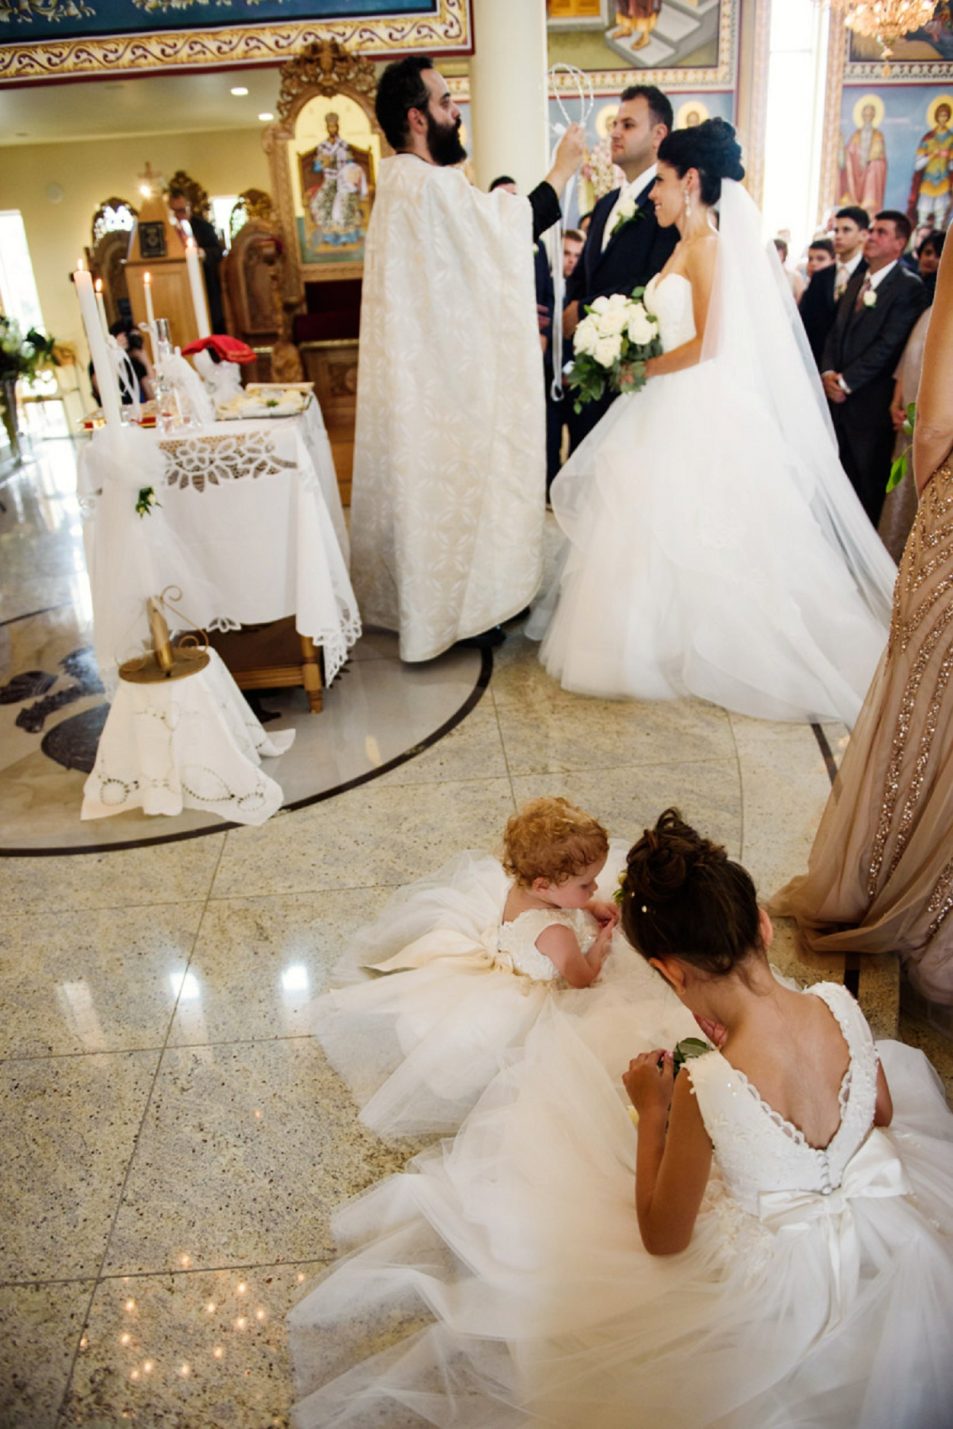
[509, 120]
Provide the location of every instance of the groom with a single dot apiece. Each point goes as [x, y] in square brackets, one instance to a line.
[625, 246]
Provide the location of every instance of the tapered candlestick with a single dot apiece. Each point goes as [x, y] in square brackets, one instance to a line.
[196, 283]
[98, 351]
[101, 306]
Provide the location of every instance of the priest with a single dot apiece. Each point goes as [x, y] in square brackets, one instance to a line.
[449, 462]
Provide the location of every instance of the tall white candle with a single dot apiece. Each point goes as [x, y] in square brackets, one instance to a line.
[150, 310]
[197, 284]
[101, 307]
[150, 316]
[98, 351]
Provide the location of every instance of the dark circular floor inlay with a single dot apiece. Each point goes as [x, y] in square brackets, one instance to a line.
[73, 741]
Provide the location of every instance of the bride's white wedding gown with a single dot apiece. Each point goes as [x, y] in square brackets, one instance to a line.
[695, 562]
[501, 1282]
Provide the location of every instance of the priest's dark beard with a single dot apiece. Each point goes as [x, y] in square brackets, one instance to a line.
[443, 141]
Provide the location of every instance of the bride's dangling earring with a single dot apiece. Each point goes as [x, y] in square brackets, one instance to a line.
[688, 206]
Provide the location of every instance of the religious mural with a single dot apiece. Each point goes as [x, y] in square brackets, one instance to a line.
[44, 39]
[336, 155]
[599, 35]
[897, 150]
[924, 53]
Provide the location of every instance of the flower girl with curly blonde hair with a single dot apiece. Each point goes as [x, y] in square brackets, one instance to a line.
[456, 971]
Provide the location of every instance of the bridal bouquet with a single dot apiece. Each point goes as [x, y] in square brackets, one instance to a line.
[612, 344]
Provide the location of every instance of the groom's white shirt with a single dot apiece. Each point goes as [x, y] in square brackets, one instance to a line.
[628, 190]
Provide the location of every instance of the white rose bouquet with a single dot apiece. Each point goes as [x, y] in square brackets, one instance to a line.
[611, 347]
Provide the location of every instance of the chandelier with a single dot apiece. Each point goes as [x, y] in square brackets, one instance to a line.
[884, 20]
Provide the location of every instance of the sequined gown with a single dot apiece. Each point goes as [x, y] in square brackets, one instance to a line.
[500, 1282]
[880, 874]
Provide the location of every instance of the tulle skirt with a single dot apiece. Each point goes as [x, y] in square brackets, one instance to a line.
[695, 563]
[418, 1044]
[501, 1280]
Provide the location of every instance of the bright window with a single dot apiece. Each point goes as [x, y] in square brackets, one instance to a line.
[18, 295]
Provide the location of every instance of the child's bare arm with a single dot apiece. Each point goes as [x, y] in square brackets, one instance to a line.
[560, 945]
[674, 1153]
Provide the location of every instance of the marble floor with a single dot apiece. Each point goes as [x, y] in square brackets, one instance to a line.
[174, 1143]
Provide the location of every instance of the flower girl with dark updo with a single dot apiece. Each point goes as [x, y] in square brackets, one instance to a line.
[714, 545]
[787, 1261]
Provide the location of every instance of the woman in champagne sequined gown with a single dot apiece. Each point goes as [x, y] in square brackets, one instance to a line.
[880, 874]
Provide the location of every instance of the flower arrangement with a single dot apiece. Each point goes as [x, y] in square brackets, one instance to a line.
[24, 356]
[146, 500]
[21, 358]
[611, 347]
[599, 173]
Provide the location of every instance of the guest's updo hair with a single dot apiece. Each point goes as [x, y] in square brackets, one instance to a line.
[711, 148]
[683, 897]
[551, 839]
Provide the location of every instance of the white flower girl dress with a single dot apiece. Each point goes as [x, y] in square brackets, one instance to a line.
[438, 992]
[501, 1280]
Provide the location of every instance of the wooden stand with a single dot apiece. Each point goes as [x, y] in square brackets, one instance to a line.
[272, 657]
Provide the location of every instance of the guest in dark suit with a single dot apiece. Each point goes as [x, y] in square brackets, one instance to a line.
[625, 246]
[826, 288]
[872, 325]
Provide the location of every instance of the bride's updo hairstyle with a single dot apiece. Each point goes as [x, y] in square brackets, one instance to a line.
[551, 839]
[683, 897]
[711, 148]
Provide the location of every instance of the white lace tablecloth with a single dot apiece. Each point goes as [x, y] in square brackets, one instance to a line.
[248, 526]
[191, 743]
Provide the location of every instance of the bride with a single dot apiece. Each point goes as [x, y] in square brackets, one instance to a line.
[714, 546]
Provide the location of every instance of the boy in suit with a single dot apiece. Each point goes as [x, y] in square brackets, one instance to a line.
[825, 290]
[625, 246]
[879, 307]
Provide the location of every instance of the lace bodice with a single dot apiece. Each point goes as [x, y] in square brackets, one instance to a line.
[760, 1152]
[516, 942]
[670, 300]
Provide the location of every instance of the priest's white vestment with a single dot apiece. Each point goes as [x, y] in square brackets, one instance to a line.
[448, 496]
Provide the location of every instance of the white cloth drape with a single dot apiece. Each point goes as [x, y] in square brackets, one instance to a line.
[449, 462]
[191, 743]
[248, 525]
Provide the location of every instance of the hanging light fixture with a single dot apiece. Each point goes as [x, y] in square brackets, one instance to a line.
[884, 20]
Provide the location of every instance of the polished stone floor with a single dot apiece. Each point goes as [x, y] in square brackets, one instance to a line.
[174, 1142]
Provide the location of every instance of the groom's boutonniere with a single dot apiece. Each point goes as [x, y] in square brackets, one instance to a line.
[870, 298]
[625, 214]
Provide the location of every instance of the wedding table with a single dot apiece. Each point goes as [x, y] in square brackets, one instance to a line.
[246, 522]
[185, 743]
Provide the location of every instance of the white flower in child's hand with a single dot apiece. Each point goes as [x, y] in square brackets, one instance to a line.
[608, 350]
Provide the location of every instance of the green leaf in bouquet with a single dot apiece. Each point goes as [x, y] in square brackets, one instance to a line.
[898, 470]
[688, 1048]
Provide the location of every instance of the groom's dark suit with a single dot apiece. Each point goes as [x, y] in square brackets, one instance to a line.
[635, 254]
[864, 346]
